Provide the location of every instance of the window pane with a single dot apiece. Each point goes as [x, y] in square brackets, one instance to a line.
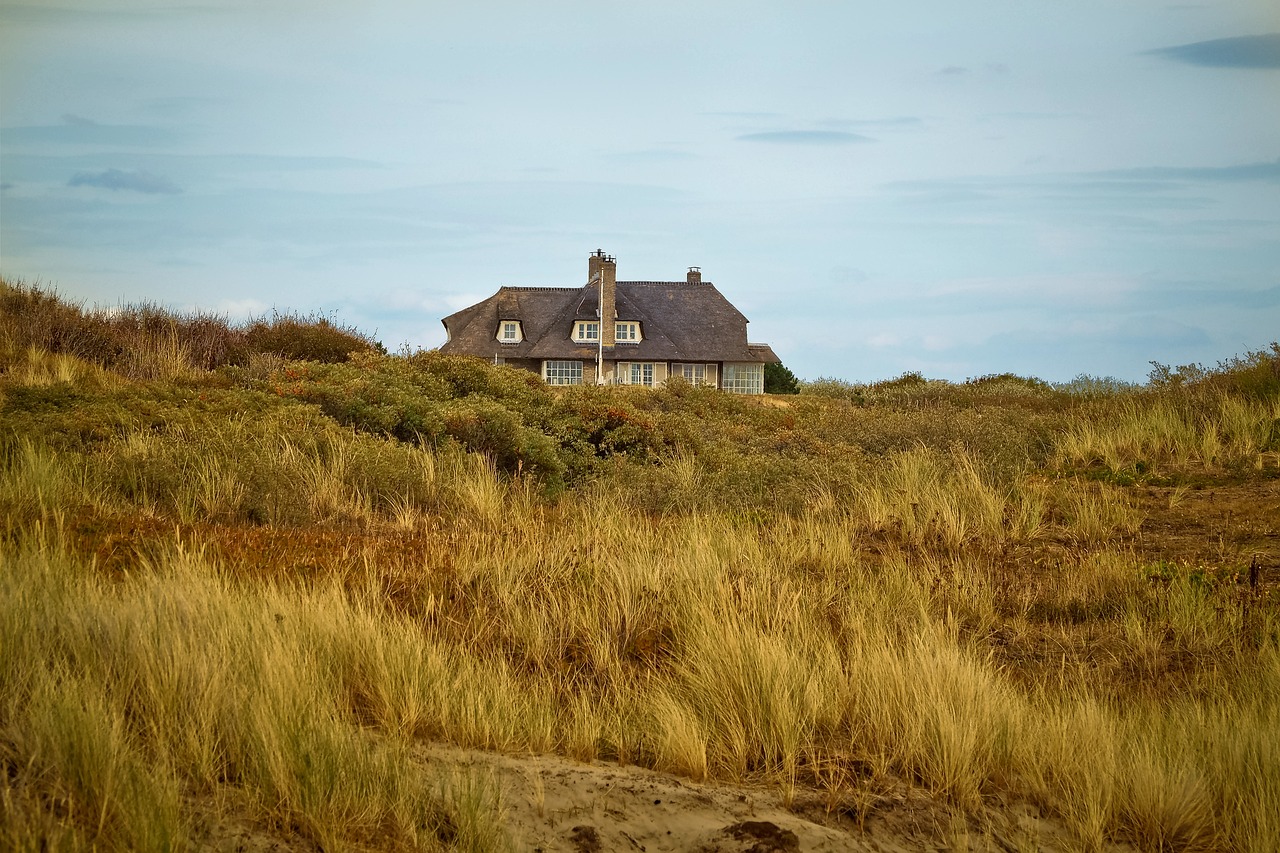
[564, 372]
[744, 378]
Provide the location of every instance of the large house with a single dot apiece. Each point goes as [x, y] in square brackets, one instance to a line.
[647, 332]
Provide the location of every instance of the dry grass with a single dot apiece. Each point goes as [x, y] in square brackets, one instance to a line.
[1211, 430]
[696, 644]
[212, 592]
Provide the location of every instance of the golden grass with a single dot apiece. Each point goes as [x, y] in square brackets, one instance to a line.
[698, 644]
[120, 699]
[1170, 432]
[287, 606]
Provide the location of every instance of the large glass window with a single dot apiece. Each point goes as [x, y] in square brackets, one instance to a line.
[564, 372]
[636, 373]
[743, 378]
[586, 331]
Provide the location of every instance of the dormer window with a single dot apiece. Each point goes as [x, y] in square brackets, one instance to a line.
[627, 333]
[509, 332]
[585, 331]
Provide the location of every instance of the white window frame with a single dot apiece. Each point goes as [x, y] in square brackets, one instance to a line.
[640, 373]
[516, 332]
[586, 331]
[627, 332]
[695, 372]
[743, 378]
[558, 372]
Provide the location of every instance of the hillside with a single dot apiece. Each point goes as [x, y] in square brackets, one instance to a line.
[271, 587]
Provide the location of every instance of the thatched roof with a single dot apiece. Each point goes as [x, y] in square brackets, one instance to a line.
[679, 321]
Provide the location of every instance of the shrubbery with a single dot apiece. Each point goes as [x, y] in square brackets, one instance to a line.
[779, 380]
[147, 341]
[358, 554]
[307, 338]
[566, 437]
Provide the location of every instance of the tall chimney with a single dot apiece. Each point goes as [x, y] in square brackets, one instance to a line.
[608, 299]
[695, 275]
[594, 261]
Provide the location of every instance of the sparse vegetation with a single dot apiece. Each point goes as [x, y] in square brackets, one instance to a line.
[238, 589]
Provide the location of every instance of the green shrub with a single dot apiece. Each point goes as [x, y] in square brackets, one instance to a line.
[487, 427]
[307, 338]
[1085, 385]
[1254, 374]
[779, 380]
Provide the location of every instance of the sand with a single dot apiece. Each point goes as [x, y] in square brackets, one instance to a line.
[554, 804]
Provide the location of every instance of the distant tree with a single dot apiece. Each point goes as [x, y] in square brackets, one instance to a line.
[779, 380]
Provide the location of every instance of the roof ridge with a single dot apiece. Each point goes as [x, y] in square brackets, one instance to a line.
[672, 283]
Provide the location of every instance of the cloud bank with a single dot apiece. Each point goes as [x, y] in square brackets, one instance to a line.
[115, 179]
[1238, 52]
[806, 137]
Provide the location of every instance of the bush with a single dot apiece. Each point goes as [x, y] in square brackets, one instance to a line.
[143, 341]
[779, 380]
[32, 317]
[308, 338]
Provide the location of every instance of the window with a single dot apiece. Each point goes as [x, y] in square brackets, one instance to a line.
[564, 372]
[586, 331]
[509, 332]
[627, 333]
[743, 378]
[636, 373]
[696, 373]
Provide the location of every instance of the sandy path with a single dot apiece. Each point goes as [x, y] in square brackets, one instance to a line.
[553, 804]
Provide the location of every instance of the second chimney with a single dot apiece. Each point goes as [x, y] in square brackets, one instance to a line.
[695, 275]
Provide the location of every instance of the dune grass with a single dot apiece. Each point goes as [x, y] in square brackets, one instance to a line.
[246, 594]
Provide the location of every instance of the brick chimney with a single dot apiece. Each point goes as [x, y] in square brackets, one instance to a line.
[695, 275]
[608, 300]
[594, 261]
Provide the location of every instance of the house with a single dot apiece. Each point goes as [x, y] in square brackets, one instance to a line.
[652, 330]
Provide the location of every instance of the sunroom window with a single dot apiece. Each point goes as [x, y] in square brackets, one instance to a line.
[743, 378]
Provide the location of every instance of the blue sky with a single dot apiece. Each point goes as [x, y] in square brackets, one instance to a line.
[958, 188]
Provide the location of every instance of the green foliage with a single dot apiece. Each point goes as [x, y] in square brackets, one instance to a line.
[737, 586]
[778, 379]
[1010, 383]
[488, 427]
[740, 452]
[910, 379]
[838, 389]
[1084, 386]
[307, 338]
[1255, 374]
[421, 400]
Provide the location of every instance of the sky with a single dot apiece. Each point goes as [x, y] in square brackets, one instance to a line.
[956, 188]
